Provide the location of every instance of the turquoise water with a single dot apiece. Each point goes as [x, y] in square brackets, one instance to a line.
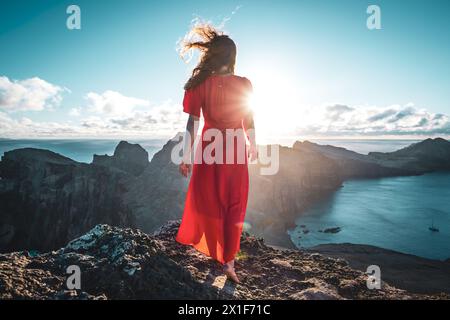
[392, 213]
[79, 150]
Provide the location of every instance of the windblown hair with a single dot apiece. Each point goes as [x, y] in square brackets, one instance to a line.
[216, 51]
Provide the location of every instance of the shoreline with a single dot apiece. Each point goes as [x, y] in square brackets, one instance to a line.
[404, 271]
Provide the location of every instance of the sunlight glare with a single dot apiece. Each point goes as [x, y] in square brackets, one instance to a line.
[276, 104]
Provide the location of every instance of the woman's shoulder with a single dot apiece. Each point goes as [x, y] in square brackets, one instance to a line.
[244, 80]
[240, 80]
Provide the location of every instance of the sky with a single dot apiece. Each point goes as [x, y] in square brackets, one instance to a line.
[316, 68]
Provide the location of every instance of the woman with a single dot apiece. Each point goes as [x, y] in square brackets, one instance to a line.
[216, 200]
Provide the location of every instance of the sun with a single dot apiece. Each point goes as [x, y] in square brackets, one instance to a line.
[275, 102]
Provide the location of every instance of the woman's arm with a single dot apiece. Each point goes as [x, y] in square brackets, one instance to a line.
[189, 138]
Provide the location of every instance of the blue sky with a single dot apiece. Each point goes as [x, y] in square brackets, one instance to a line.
[316, 68]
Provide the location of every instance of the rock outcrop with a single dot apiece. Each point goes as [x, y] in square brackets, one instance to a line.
[157, 195]
[354, 165]
[128, 264]
[47, 199]
[425, 156]
[131, 158]
[418, 158]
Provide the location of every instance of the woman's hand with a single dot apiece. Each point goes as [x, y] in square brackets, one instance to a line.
[185, 169]
[253, 152]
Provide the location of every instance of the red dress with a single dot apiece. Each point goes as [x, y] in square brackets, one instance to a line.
[216, 199]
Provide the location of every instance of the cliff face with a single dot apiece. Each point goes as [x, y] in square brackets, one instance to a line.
[47, 199]
[355, 165]
[425, 156]
[128, 264]
[131, 158]
[157, 195]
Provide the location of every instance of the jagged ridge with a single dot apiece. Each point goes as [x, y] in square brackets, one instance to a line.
[129, 264]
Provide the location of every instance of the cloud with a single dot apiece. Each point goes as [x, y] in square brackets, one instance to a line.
[113, 103]
[406, 112]
[25, 127]
[162, 120]
[30, 94]
[165, 119]
[339, 120]
[382, 115]
[335, 112]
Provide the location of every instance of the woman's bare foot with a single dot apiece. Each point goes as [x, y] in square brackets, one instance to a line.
[228, 269]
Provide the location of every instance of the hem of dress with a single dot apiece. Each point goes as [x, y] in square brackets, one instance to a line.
[194, 246]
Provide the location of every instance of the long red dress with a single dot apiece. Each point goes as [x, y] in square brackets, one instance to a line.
[216, 199]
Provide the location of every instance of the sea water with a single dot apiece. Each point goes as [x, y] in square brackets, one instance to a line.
[393, 213]
[79, 150]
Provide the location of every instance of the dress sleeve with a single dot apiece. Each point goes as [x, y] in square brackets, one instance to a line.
[192, 102]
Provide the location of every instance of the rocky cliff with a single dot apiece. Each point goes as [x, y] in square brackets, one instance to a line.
[47, 199]
[355, 165]
[157, 195]
[425, 156]
[131, 158]
[128, 264]
[44, 193]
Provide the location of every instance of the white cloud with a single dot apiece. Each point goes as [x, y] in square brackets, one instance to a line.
[30, 94]
[162, 120]
[159, 121]
[26, 128]
[373, 121]
[113, 103]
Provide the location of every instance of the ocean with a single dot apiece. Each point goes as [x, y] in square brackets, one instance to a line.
[79, 150]
[392, 213]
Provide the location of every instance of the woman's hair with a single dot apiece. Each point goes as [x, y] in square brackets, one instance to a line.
[216, 51]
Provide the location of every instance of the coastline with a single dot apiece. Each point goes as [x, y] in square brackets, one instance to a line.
[404, 271]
